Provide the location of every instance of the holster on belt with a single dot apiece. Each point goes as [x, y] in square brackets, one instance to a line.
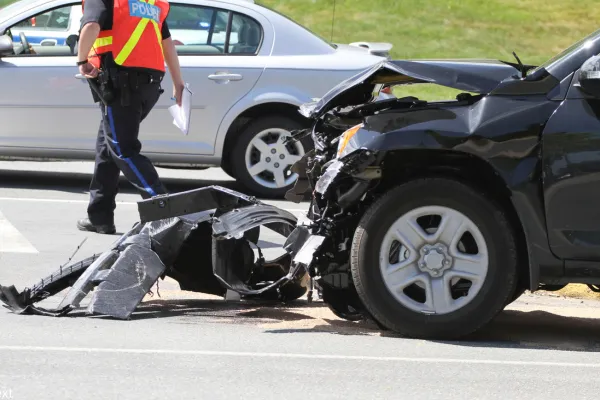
[124, 87]
[105, 86]
[119, 82]
[95, 91]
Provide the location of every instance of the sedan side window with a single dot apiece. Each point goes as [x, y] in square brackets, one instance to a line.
[246, 35]
[198, 30]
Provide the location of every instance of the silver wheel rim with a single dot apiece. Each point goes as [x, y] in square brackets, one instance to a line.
[434, 260]
[269, 160]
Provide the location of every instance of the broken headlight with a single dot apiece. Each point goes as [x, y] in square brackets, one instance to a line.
[355, 162]
[331, 173]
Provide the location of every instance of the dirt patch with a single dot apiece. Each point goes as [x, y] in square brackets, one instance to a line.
[578, 291]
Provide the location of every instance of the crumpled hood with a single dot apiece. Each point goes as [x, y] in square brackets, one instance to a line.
[476, 76]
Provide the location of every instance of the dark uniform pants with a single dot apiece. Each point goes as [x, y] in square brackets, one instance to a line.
[118, 150]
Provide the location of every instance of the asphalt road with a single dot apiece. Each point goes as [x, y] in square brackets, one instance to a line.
[183, 346]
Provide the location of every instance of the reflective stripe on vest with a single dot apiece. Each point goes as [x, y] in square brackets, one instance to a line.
[102, 45]
[103, 42]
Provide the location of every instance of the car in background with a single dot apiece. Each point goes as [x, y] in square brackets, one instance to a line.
[249, 67]
[52, 28]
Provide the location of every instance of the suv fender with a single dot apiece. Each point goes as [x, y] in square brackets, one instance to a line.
[475, 159]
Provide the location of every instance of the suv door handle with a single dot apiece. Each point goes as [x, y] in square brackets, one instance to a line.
[225, 77]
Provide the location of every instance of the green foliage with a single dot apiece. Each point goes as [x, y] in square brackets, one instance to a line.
[534, 29]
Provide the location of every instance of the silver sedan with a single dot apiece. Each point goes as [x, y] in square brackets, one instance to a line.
[249, 67]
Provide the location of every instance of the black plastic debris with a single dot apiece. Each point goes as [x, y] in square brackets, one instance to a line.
[204, 239]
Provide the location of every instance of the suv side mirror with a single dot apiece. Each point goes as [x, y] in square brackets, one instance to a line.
[589, 81]
[589, 77]
[6, 46]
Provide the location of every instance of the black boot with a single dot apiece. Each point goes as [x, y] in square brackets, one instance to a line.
[85, 225]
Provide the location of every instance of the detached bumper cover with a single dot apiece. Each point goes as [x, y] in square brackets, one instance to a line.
[121, 276]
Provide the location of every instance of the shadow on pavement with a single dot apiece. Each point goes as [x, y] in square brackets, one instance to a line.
[511, 329]
[292, 317]
[79, 182]
[538, 329]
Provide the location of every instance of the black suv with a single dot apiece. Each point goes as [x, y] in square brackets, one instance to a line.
[442, 213]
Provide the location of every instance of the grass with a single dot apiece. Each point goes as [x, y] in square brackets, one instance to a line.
[535, 29]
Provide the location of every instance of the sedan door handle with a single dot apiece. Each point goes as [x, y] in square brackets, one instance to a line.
[82, 78]
[225, 77]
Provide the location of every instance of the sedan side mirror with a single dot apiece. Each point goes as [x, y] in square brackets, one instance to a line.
[72, 43]
[6, 46]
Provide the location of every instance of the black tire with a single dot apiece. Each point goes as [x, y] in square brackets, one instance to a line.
[237, 164]
[226, 167]
[518, 293]
[500, 281]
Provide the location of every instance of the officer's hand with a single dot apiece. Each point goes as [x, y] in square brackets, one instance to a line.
[88, 70]
[178, 93]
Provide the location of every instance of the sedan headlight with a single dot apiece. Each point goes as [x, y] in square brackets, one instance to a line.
[307, 109]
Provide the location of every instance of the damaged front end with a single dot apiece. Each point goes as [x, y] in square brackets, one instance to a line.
[204, 239]
[346, 173]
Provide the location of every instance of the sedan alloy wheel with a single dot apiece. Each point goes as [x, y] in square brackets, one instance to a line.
[269, 160]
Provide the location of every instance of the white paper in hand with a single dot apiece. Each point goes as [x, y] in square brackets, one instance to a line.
[182, 115]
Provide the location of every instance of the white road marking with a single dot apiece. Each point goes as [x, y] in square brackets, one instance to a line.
[74, 201]
[67, 201]
[298, 356]
[11, 240]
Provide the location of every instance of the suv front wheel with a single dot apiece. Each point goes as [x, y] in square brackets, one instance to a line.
[434, 258]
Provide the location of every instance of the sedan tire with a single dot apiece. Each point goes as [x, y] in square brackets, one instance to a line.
[261, 163]
[434, 259]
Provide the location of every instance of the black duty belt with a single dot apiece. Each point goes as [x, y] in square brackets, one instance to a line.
[133, 77]
[130, 80]
[143, 77]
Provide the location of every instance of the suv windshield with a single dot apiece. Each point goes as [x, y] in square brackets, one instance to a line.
[297, 24]
[571, 48]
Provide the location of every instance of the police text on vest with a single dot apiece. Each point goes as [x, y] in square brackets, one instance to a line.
[144, 10]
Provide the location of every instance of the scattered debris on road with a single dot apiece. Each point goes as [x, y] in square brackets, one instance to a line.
[203, 239]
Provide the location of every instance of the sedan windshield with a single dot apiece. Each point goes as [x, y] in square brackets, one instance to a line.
[13, 8]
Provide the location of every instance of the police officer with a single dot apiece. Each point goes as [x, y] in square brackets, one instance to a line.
[123, 47]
